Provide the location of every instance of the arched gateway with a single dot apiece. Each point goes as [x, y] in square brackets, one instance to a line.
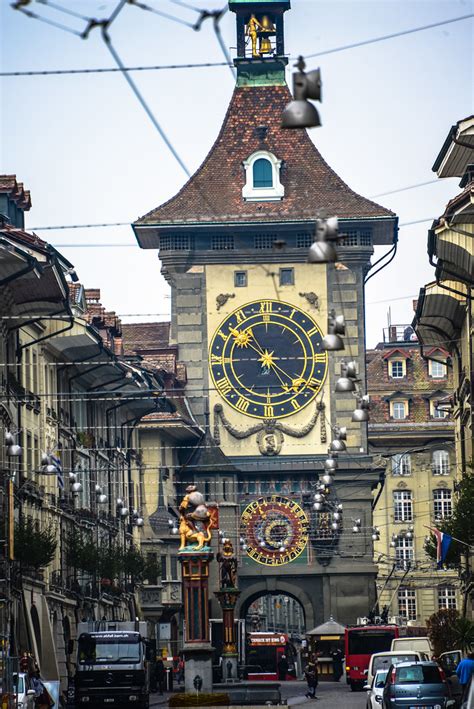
[248, 317]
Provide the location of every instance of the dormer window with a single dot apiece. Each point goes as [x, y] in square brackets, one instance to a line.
[262, 173]
[262, 178]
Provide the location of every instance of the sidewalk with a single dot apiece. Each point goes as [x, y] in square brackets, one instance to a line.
[157, 699]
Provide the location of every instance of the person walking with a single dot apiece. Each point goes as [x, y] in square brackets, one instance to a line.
[160, 673]
[337, 664]
[282, 667]
[311, 676]
[464, 671]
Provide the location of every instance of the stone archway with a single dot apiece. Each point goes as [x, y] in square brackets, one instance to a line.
[284, 588]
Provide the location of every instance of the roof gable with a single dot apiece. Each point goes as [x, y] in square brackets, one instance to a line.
[214, 193]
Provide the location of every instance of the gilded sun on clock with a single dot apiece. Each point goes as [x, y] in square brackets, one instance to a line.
[267, 359]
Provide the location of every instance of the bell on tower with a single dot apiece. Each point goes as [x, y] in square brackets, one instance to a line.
[260, 40]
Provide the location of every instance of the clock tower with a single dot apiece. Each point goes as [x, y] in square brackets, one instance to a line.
[248, 317]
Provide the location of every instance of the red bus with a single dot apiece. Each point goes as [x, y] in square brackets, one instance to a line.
[264, 651]
[361, 642]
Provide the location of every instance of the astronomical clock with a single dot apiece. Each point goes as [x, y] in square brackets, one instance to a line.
[267, 362]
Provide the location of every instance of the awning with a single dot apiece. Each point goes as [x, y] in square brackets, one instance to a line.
[454, 156]
[440, 314]
[330, 627]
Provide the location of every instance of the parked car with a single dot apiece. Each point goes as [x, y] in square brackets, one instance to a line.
[417, 684]
[374, 690]
[25, 694]
[383, 660]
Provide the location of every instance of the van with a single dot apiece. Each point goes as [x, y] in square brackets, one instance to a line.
[421, 644]
[383, 660]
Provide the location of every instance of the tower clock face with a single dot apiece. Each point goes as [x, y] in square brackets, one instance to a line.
[275, 530]
[267, 359]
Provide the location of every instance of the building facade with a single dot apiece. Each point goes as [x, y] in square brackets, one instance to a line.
[248, 316]
[72, 504]
[415, 438]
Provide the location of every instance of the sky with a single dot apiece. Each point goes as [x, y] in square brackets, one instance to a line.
[89, 154]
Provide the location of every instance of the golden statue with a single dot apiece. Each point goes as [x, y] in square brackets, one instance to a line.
[252, 30]
[227, 565]
[194, 521]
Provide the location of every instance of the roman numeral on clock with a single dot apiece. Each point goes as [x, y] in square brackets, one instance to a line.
[223, 386]
[240, 315]
[295, 405]
[314, 383]
[242, 404]
[216, 359]
[313, 331]
[268, 411]
[266, 306]
[319, 357]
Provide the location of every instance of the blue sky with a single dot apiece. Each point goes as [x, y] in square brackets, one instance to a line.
[88, 153]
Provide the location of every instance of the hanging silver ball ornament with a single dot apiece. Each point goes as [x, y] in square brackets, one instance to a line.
[174, 530]
[140, 522]
[327, 479]
[318, 497]
[334, 525]
[317, 506]
[98, 489]
[14, 451]
[9, 438]
[50, 469]
[336, 516]
[45, 460]
[76, 487]
[102, 499]
[120, 502]
[124, 512]
[72, 477]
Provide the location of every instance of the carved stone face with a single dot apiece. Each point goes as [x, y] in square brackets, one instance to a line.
[196, 498]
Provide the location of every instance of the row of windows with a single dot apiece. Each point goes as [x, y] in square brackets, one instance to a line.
[397, 369]
[403, 505]
[400, 409]
[407, 607]
[286, 278]
[440, 464]
[227, 242]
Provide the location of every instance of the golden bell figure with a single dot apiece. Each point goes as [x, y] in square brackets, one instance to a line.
[252, 31]
[265, 46]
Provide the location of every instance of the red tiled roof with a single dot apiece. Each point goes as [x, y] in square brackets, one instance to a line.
[214, 192]
[23, 237]
[16, 191]
[145, 336]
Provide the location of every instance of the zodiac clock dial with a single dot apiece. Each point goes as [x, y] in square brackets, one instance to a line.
[267, 359]
[275, 530]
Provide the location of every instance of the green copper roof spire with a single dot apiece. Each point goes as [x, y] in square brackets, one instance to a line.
[260, 57]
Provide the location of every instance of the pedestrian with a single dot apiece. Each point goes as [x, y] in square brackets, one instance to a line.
[337, 664]
[311, 676]
[43, 699]
[160, 674]
[283, 668]
[180, 672]
[464, 671]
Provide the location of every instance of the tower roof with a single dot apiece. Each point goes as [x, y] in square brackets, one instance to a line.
[213, 195]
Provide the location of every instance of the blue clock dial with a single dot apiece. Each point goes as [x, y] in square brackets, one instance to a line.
[267, 359]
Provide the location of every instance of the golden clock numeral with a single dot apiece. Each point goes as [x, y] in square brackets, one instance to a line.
[266, 306]
[226, 360]
[314, 383]
[319, 357]
[223, 335]
[266, 317]
[223, 386]
[313, 331]
[242, 404]
[216, 359]
[240, 315]
[295, 405]
[268, 411]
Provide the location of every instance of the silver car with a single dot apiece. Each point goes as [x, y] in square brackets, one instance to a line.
[416, 685]
[374, 690]
[25, 694]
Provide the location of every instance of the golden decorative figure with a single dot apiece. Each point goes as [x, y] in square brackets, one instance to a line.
[194, 521]
[252, 30]
[227, 565]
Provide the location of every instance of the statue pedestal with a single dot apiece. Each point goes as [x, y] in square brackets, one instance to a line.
[227, 598]
[197, 646]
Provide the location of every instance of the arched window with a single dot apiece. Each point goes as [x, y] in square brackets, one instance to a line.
[262, 173]
[262, 177]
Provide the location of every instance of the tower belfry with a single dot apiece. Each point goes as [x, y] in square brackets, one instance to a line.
[248, 316]
[260, 40]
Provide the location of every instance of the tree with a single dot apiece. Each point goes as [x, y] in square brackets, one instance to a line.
[464, 629]
[461, 526]
[441, 630]
[34, 547]
[81, 554]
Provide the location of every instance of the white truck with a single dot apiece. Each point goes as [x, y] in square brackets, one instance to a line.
[113, 665]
